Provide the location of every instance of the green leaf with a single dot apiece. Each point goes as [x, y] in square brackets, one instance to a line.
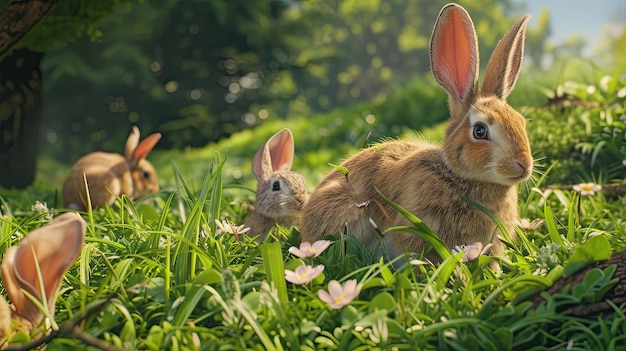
[382, 301]
[350, 315]
[341, 169]
[597, 248]
[551, 224]
[419, 228]
[193, 296]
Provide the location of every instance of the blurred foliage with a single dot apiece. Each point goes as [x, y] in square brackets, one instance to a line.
[582, 127]
[68, 21]
[200, 70]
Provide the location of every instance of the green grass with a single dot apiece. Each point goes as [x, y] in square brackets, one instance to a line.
[153, 274]
[176, 285]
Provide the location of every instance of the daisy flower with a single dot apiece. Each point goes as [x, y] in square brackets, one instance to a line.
[587, 188]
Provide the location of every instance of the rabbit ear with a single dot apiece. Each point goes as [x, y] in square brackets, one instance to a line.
[506, 61]
[135, 150]
[454, 54]
[145, 146]
[54, 248]
[277, 153]
[131, 143]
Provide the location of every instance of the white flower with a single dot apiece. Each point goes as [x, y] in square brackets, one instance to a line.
[472, 251]
[303, 274]
[230, 227]
[42, 208]
[339, 295]
[39, 207]
[308, 250]
[526, 224]
[587, 188]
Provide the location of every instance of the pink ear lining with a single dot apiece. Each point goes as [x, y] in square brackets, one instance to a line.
[282, 149]
[454, 57]
[276, 154]
[144, 147]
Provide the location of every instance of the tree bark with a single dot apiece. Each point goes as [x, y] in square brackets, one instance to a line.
[20, 117]
[20, 16]
[616, 295]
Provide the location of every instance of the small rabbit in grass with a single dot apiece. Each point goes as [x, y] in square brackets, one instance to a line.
[110, 175]
[50, 251]
[281, 193]
[484, 155]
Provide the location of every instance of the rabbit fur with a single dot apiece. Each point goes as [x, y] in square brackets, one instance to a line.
[52, 248]
[485, 153]
[281, 193]
[110, 175]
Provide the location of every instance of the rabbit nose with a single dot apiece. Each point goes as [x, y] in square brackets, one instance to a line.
[525, 168]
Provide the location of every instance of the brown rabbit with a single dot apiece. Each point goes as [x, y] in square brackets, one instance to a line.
[110, 175]
[281, 193]
[485, 153]
[50, 250]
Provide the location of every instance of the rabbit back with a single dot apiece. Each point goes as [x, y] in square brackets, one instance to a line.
[108, 176]
[414, 175]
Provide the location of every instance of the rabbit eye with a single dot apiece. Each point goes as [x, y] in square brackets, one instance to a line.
[481, 131]
[145, 174]
[276, 186]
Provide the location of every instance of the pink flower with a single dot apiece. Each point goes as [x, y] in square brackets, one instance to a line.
[303, 274]
[472, 251]
[587, 188]
[527, 225]
[340, 295]
[308, 250]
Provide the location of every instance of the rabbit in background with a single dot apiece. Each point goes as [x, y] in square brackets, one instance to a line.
[50, 250]
[110, 175]
[485, 153]
[281, 193]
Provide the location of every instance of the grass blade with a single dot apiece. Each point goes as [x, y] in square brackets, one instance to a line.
[275, 268]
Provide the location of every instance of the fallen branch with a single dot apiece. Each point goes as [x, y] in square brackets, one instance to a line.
[616, 295]
[70, 328]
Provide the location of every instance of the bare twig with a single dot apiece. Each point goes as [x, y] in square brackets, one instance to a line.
[70, 328]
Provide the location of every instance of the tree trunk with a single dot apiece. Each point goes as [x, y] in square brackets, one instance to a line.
[20, 117]
[18, 17]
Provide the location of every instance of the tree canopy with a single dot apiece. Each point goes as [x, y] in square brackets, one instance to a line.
[199, 70]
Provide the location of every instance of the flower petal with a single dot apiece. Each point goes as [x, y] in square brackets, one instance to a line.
[335, 289]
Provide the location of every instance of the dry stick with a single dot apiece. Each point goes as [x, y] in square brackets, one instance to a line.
[589, 311]
[70, 328]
